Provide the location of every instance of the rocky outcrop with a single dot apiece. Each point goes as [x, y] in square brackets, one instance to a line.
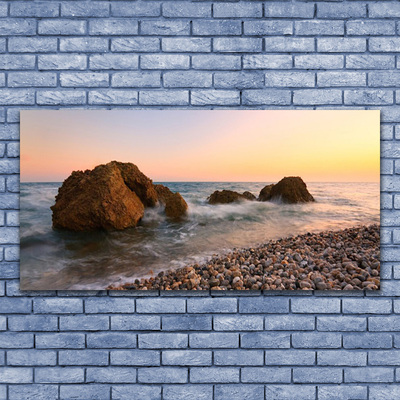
[175, 205]
[229, 196]
[289, 190]
[97, 199]
[111, 196]
[265, 193]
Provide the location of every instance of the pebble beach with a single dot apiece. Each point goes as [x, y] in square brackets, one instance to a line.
[347, 259]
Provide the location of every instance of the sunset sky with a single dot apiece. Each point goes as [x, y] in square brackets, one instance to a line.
[185, 145]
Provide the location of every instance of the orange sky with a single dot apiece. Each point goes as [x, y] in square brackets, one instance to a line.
[186, 145]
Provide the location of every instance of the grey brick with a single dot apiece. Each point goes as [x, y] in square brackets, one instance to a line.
[265, 96]
[365, 27]
[113, 27]
[214, 340]
[16, 340]
[109, 305]
[369, 375]
[238, 357]
[345, 10]
[319, 340]
[87, 45]
[186, 357]
[32, 322]
[136, 392]
[215, 97]
[84, 323]
[214, 375]
[15, 306]
[384, 10]
[110, 96]
[60, 340]
[17, 26]
[290, 392]
[111, 340]
[32, 391]
[62, 61]
[34, 9]
[165, 28]
[237, 10]
[319, 27]
[92, 391]
[267, 305]
[319, 61]
[324, 306]
[285, 45]
[342, 78]
[367, 341]
[163, 340]
[135, 44]
[341, 323]
[342, 358]
[179, 392]
[384, 357]
[85, 9]
[261, 28]
[317, 375]
[265, 340]
[164, 61]
[288, 10]
[368, 97]
[344, 392]
[341, 45]
[111, 375]
[386, 323]
[32, 44]
[187, 323]
[83, 357]
[17, 61]
[289, 323]
[261, 375]
[240, 323]
[290, 357]
[136, 79]
[16, 375]
[387, 44]
[58, 97]
[214, 61]
[289, 79]
[239, 392]
[138, 9]
[182, 9]
[32, 79]
[212, 305]
[135, 322]
[370, 61]
[114, 61]
[59, 375]
[31, 357]
[135, 357]
[57, 306]
[216, 27]
[186, 79]
[160, 98]
[237, 45]
[83, 79]
[193, 45]
[366, 306]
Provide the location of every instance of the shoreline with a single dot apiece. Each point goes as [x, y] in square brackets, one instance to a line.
[347, 259]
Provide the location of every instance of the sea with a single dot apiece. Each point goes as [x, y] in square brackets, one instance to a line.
[53, 259]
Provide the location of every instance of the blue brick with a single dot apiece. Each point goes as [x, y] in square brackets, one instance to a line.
[384, 10]
[267, 61]
[289, 392]
[135, 322]
[162, 375]
[214, 375]
[185, 79]
[60, 375]
[384, 357]
[3, 323]
[365, 27]
[289, 323]
[370, 61]
[265, 340]
[215, 97]
[312, 97]
[194, 45]
[160, 98]
[87, 45]
[269, 97]
[8, 236]
[114, 61]
[260, 28]
[164, 61]
[382, 392]
[317, 375]
[187, 323]
[261, 375]
[12, 181]
[384, 78]
[57, 306]
[165, 28]
[9, 270]
[319, 27]
[342, 358]
[34, 79]
[32, 45]
[16, 375]
[31, 357]
[15, 306]
[367, 341]
[367, 306]
[109, 96]
[135, 9]
[83, 79]
[341, 45]
[240, 323]
[107, 305]
[341, 323]
[217, 27]
[111, 340]
[62, 61]
[17, 26]
[285, 45]
[60, 340]
[13, 340]
[85, 9]
[267, 305]
[237, 10]
[290, 357]
[17, 61]
[179, 392]
[8, 201]
[186, 357]
[368, 375]
[135, 357]
[344, 392]
[90, 391]
[136, 392]
[61, 97]
[135, 44]
[84, 322]
[32, 322]
[212, 305]
[136, 79]
[325, 306]
[181, 9]
[214, 61]
[163, 340]
[110, 375]
[342, 78]
[239, 392]
[320, 340]
[386, 323]
[345, 10]
[3, 9]
[238, 357]
[83, 357]
[368, 97]
[319, 61]
[34, 9]
[288, 10]
[61, 27]
[37, 392]
[214, 340]
[387, 44]
[237, 45]
[113, 27]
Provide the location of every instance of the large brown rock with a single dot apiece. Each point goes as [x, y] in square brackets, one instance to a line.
[290, 190]
[96, 199]
[229, 196]
[175, 205]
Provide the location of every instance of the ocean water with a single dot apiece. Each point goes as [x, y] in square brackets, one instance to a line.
[53, 259]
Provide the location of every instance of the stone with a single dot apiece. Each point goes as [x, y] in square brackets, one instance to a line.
[265, 193]
[229, 196]
[249, 196]
[175, 205]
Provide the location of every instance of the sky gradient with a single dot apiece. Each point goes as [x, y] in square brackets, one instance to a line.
[202, 145]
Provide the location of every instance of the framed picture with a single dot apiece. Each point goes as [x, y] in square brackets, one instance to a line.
[200, 200]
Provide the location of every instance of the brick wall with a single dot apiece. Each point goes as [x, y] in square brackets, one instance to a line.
[172, 54]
